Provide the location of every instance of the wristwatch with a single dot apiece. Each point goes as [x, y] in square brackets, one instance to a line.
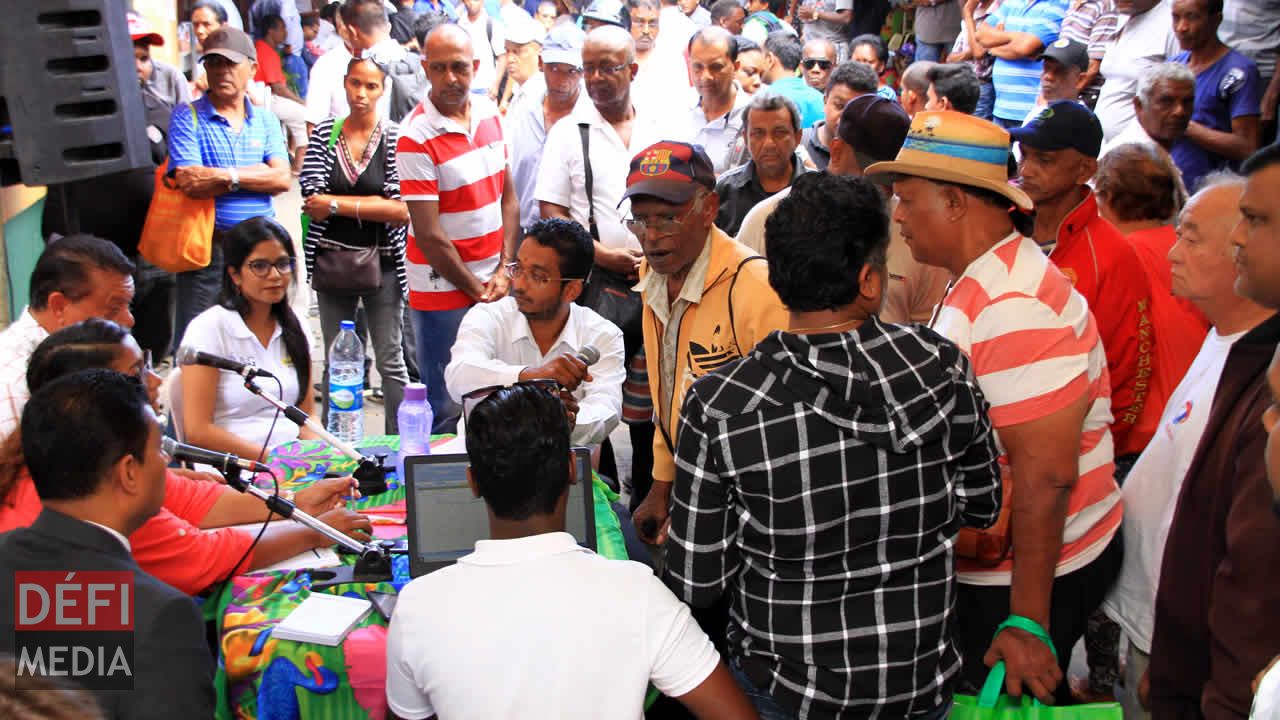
[235, 179]
[333, 207]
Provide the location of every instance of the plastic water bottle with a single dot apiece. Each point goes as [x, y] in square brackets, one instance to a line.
[346, 385]
[414, 418]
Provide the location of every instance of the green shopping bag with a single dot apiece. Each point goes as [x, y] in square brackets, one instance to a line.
[992, 704]
[333, 139]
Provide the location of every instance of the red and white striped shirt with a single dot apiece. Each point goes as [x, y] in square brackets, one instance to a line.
[1035, 350]
[462, 169]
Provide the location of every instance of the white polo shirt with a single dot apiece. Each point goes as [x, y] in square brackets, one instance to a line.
[1143, 42]
[222, 332]
[539, 627]
[722, 137]
[17, 342]
[495, 344]
[562, 176]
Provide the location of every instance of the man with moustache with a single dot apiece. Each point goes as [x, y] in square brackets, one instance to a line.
[716, 118]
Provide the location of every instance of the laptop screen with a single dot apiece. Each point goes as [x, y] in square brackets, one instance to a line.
[445, 520]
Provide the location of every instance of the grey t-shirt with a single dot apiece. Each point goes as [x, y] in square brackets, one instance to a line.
[821, 29]
[938, 23]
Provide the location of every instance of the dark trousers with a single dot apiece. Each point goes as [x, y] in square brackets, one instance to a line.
[980, 609]
[197, 290]
[152, 308]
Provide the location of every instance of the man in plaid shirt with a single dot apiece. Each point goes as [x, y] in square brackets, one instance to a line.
[822, 479]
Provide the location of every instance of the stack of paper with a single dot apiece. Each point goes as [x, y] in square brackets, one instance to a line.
[323, 619]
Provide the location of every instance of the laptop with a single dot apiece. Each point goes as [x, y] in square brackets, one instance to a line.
[445, 520]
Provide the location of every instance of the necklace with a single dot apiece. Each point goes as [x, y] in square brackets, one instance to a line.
[832, 326]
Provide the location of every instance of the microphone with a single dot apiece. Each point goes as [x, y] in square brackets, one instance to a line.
[220, 460]
[191, 356]
[588, 354]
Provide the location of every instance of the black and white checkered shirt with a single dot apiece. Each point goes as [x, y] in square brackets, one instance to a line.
[822, 481]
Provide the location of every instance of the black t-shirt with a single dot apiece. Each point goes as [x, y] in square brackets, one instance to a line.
[347, 230]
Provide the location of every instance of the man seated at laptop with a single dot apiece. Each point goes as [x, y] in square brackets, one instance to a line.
[537, 332]
[531, 624]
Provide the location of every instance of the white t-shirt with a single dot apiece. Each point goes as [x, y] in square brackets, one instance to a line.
[562, 174]
[1151, 490]
[480, 32]
[1145, 41]
[538, 627]
[222, 332]
[1266, 703]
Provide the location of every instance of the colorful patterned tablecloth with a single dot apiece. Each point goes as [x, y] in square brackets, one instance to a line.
[268, 679]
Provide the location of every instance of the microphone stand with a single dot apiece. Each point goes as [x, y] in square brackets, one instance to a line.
[371, 476]
[374, 564]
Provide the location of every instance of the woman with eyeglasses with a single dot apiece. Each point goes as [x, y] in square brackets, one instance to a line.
[250, 322]
[355, 244]
[188, 543]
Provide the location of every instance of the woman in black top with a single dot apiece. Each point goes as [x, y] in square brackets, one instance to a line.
[351, 192]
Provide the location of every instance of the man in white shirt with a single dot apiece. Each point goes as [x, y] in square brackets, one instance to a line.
[76, 277]
[531, 624]
[661, 39]
[539, 332]
[489, 41]
[616, 132]
[1204, 273]
[1145, 39]
[716, 119]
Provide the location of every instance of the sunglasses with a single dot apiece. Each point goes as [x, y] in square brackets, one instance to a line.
[823, 63]
[477, 396]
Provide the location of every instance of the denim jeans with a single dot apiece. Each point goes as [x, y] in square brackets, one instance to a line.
[769, 709]
[436, 330]
[196, 291]
[384, 309]
[986, 100]
[931, 52]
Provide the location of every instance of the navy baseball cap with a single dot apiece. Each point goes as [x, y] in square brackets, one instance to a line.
[670, 171]
[1064, 124]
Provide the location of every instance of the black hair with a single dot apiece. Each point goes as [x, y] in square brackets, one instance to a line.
[646, 4]
[855, 76]
[330, 11]
[571, 242]
[1023, 221]
[92, 343]
[213, 7]
[518, 442]
[65, 264]
[377, 66]
[367, 16]
[310, 19]
[425, 23]
[875, 41]
[270, 22]
[819, 238]
[785, 45]
[722, 9]
[237, 244]
[1261, 160]
[746, 44]
[958, 83]
[714, 34]
[1214, 7]
[76, 427]
[778, 8]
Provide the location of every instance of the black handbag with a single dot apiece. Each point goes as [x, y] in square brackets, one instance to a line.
[346, 270]
[606, 292]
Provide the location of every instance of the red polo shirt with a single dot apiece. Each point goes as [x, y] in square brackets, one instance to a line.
[1182, 325]
[1106, 270]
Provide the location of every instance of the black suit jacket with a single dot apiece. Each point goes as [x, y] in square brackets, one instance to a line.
[173, 670]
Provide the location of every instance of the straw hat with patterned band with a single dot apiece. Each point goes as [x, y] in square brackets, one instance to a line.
[956, 148]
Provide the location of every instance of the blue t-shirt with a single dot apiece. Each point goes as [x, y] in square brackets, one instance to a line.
[1017, 82]
[806, 98]
[210, 142]
[1227, 89]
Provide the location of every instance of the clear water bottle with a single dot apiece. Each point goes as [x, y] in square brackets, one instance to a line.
[346, 385]
[414, 418]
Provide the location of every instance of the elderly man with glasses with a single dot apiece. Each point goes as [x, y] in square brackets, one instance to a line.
[538, 332]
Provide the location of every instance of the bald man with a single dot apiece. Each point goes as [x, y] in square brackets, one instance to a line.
[465, 219]
[817, 62]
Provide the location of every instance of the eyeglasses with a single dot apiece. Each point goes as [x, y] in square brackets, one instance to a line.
[662, 225]
[823, 63]
[477, 396]
[262, 268]
[604, 69]
[538, 277]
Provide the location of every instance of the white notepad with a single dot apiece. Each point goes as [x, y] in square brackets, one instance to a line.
[323, 619]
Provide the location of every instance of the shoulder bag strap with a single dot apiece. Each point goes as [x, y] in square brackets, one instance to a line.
[584, 131]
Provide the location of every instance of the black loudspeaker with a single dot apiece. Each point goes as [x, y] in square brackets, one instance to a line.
[70, 104]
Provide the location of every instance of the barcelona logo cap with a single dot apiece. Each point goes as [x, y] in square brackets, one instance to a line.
[670, 171]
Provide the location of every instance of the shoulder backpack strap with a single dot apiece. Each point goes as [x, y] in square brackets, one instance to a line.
[335, 131]
[584, 131]
[488, 31]
[733, 325]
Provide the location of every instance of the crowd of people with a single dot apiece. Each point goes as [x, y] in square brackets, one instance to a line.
[944, 335]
